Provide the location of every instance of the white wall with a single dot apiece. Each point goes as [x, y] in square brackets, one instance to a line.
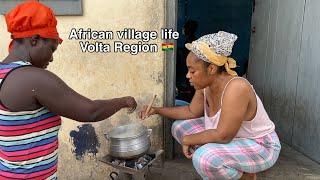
[103, 76]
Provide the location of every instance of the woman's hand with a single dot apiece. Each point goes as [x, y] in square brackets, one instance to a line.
[130, 103]
[143, 115]
[187, 151]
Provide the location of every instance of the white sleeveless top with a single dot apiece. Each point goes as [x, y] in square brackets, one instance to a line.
[259, 126]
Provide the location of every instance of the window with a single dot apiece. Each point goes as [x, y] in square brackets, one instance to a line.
[60, 7]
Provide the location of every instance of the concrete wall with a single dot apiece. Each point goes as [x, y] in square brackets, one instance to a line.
[284, 65]
[103, 76]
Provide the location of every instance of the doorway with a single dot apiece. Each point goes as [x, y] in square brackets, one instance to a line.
[198, 18]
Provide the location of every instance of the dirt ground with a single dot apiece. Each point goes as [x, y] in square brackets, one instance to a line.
[290, 165]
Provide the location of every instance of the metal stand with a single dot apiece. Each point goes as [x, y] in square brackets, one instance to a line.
[127, 173]
[126, 176]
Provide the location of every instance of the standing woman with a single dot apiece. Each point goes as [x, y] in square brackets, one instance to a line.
[227, 131]
[32, 99]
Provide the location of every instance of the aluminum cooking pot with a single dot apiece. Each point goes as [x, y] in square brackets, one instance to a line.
[129, 141]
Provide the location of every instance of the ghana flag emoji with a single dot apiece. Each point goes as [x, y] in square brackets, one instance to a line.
[167, 46]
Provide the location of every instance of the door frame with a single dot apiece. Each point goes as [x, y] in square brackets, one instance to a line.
[171, 12]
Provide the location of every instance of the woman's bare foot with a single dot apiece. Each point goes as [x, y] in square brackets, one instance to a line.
[248, 176]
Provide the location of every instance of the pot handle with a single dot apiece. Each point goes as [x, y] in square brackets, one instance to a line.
[149, 132]
[106, 135]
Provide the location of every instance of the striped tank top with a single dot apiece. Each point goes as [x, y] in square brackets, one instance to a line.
[28, 139]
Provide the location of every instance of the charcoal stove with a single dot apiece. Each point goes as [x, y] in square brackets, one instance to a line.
[129, 169]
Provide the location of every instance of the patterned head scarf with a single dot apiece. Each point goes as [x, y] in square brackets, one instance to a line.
[215, 48]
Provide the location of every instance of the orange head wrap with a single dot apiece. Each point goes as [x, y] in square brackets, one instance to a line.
[32, 18]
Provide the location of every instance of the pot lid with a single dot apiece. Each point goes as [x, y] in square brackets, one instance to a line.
[128, 131]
